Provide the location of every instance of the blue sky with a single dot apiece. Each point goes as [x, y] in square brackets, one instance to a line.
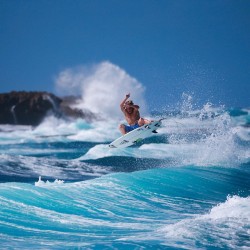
[201, 47]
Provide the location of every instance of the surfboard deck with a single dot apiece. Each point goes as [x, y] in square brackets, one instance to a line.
[136, 135]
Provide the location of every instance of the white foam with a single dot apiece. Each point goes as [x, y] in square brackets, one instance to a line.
[41, 183]
[9, 128]
[244, 133]
[98, 132]
[54, 129]
[214, 150]
[103, 150]
[53, 126]
[226, 223]
[235, 207]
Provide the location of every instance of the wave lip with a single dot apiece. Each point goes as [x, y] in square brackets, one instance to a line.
[225, 226]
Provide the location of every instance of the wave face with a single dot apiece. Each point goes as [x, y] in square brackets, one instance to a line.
[186, 187]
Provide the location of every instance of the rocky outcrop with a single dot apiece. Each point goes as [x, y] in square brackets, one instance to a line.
[30, 108]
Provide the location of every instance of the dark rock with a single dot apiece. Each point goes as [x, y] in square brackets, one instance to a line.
[30, 108]
[27, 108]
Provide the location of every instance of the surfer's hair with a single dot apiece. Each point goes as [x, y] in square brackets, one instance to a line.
[129, 102]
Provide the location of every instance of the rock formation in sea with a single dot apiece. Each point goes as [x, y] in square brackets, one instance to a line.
[30, 108]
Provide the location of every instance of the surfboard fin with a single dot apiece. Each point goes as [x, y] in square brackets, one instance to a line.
[154, 131]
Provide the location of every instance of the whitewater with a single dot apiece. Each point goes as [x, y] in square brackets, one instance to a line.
[187, 187]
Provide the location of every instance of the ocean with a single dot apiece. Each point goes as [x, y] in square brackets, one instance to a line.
[187, 187]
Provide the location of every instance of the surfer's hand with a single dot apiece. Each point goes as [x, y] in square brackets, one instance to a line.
[127, 95]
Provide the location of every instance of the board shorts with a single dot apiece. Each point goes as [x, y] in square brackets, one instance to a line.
[129, 128]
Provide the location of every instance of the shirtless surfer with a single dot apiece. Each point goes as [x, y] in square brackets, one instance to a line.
[132, 116]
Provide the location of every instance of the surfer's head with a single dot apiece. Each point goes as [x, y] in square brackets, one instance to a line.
[129, 102]
[128, 106]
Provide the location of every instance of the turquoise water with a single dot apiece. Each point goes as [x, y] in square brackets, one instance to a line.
[185, 188]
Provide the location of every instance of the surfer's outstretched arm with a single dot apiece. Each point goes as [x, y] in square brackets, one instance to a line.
[123, 102]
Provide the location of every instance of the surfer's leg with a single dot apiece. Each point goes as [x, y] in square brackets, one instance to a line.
[125, 128]
[122, 129]
[146, 121]
[143, 121]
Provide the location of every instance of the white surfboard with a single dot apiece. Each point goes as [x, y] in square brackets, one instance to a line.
[135, 135]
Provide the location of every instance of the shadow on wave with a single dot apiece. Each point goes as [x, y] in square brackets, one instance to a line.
[130, 164]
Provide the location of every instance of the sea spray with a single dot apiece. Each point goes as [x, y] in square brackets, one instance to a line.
[94, 84]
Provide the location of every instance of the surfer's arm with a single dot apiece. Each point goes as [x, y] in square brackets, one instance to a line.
[122, 105]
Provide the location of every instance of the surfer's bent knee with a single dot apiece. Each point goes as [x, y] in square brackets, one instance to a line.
[122, 128]
[141, 122]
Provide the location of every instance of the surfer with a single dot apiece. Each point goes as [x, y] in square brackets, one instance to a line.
[132, 116]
